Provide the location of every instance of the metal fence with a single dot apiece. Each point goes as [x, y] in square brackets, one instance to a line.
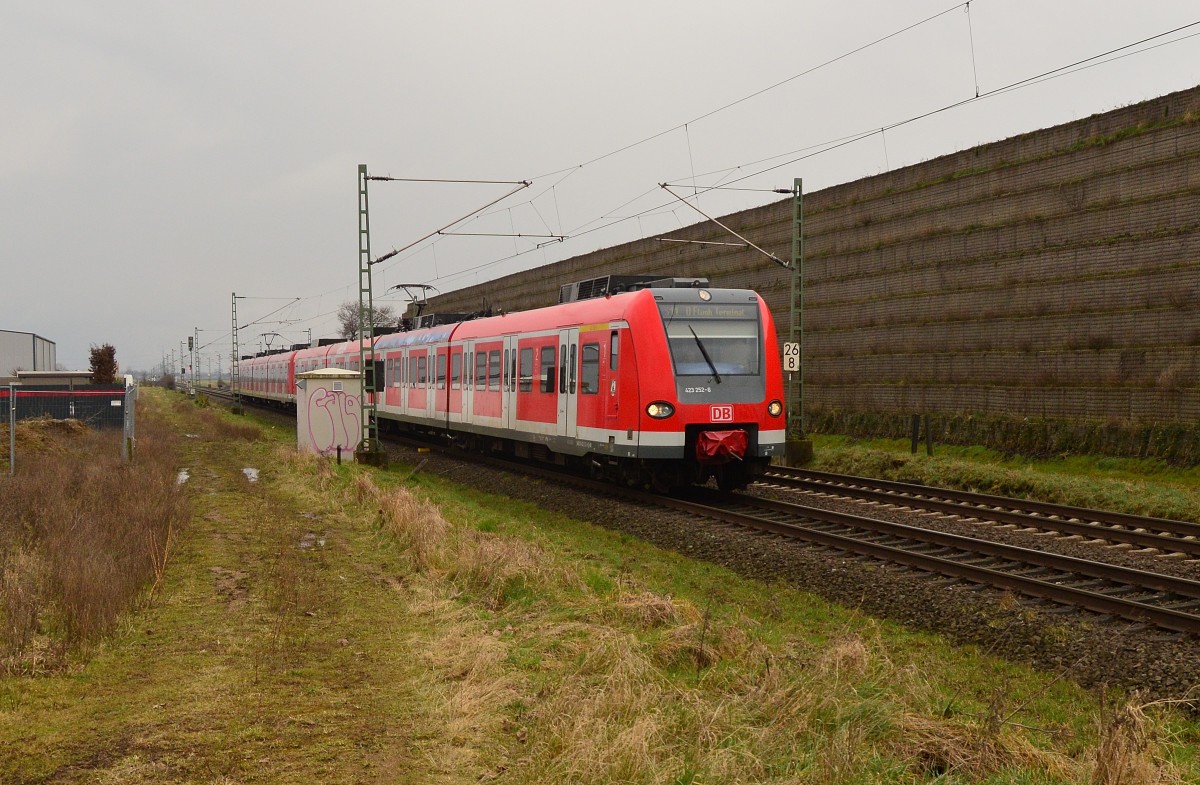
[106, 406]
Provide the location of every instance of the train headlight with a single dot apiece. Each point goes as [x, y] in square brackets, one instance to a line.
[775, 408]
[660, 410]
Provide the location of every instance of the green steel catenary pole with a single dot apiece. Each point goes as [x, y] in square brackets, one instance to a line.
[369, 442]
[795, 403]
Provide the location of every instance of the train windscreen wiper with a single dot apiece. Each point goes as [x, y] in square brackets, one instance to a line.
[704, 352]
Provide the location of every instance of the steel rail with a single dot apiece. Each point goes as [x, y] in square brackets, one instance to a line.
[1135, 610]
[1145, 532]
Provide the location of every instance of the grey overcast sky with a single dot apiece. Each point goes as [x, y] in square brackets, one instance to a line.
[156, 157]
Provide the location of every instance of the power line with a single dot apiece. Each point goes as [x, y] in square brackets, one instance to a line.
[1054, 73]
[756, 93]
[826, 147]
[821, 148]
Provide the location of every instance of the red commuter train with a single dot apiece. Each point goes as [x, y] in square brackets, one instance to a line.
[670, 384]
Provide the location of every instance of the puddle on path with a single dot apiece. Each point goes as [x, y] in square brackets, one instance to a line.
[312, 540]
[251, 474]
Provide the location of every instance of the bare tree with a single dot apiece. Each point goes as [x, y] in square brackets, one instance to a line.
[347, 316]
[104, 364]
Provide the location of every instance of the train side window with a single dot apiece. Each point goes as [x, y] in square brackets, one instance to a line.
[512, 370]
[412, 371]
[455, 369]
[562, 373]
[614, 343]
[421, 371]
[589, 377]
[574, 370]
[387, 374]
[547, 369]
[494, 370]
[441, 370]
[525, 378]
[481, 363]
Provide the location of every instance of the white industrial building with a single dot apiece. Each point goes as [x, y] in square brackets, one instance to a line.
[25, 352]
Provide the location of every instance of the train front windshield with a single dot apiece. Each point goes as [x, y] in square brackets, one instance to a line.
[711, 339]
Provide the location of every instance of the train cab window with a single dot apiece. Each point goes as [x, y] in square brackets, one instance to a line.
[613, 344]
[421, 372]
[481, 364]
[455, 369]
[494, 370]
[589, 377]
[723, 339]
[547, 369]
[526, 371]
[441, 371]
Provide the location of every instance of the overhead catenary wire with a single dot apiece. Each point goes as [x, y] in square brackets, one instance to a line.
[767, 254]
[822, 148]
[971, 38]
[739, 172]
[1078, 65]
[387, 178]
[519, 186]
[500, 234]
[700, 242]
[568, 171]
[756, 93]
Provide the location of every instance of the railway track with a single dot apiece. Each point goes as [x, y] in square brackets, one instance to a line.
[1161, 601]
[1161, 534]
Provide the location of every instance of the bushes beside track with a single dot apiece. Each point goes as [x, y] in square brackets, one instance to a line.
[81, 534]
[1177, 444]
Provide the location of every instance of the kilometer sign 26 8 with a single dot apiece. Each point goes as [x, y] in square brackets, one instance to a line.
[791, 356]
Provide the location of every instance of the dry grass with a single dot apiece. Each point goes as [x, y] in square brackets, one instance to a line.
[647, 610]
[22, 578]
[489, 567]
[306, 464]
[609, 718]
[220, 428]
[417, 525]
[470, 689]
[1128, 752]
[847, 657]
[936, 747]
[84, 533]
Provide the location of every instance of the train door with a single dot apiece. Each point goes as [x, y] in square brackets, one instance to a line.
[509, 384]
[568, 383]
[468, 391]
[609, 391]
[454, 385]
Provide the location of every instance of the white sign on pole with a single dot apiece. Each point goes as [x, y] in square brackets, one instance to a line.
[791, 356]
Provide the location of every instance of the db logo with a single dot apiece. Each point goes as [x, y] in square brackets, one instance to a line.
[722, 414]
